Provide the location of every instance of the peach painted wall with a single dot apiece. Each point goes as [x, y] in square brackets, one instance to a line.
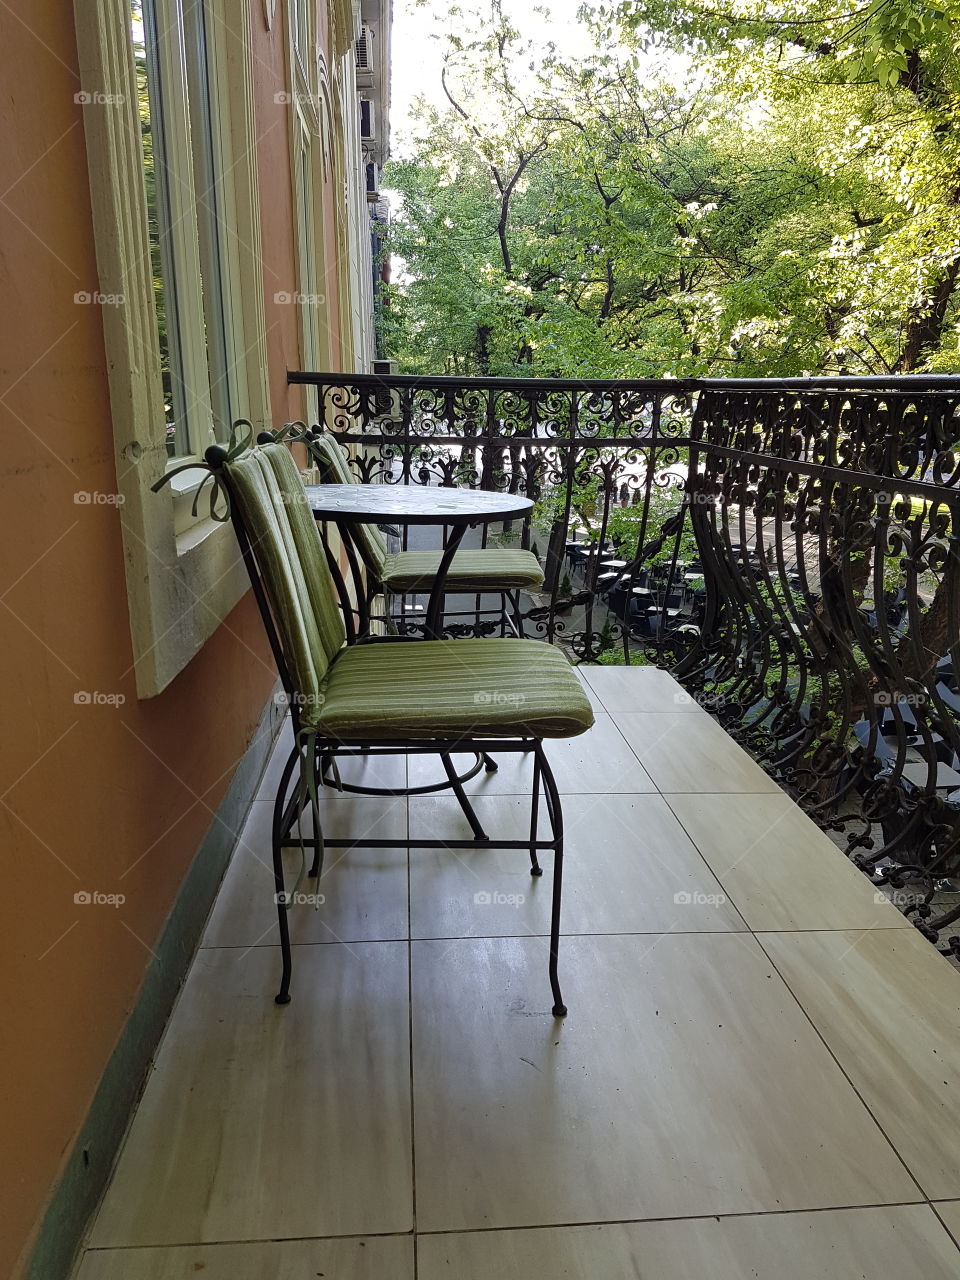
[115, 797]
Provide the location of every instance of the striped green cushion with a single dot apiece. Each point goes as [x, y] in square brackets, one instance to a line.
[487, 570]
[452, 688]
[335, 469]
[287, 548]
[309, 548]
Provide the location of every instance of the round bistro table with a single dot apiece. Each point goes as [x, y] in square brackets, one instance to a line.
[407, 504]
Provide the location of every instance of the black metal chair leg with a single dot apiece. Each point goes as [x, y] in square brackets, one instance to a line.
[279, 889]
[535, 867]
[465, 805]
[517, 615]
[489, 763]
[556, 819]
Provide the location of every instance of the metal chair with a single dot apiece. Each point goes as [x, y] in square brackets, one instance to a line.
[389, 695]
[503, 572]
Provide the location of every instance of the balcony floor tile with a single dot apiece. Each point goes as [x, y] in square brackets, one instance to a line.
[888, 1007]
[949, 1211]
[375, 1258]
[256, 1122]
[904, 1242]
[629, 868]
[597, 762]
[621, 690]
[365, 890]
[782, 871]
[685, 1081]
[686, 752]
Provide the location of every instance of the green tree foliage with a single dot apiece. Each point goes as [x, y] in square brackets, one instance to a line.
[787, 201]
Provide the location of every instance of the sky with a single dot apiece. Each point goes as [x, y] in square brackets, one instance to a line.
[417, 55]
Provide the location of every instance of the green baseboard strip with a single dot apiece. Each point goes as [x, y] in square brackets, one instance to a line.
[90, 1163]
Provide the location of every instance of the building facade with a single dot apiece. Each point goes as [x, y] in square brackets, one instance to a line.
[186, 218]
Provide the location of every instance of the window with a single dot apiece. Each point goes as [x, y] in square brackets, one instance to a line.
[186, 159]
[175, 263]
[173, 187]
[309, 119]
[366, 118]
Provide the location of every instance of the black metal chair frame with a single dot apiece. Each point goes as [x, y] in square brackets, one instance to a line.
[287, 809]
[509, 617]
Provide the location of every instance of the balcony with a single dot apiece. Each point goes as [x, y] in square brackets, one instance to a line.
[755, 1045]
[757, 1074]
[786, 549]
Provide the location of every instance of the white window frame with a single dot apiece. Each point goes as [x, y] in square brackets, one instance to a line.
[309, 108]
[181, 581]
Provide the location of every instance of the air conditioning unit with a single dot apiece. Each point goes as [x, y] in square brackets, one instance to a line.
[364, 57]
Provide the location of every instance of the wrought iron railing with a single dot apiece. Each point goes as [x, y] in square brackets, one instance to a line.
[788, 548]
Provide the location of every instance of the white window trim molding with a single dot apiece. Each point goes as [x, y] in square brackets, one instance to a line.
[179, 589]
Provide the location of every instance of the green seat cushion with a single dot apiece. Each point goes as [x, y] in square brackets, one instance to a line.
[487, 570]
[452, 689]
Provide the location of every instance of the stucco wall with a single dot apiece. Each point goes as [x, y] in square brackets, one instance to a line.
[112, 797]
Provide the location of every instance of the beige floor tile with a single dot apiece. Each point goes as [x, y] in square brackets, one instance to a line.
[889, 1008]
[685, 752]
[949, 1211]
[899, 1243]
[782, 871]
[260, 1122]
[596, 762]
[364, 890]
[685, 1081]
[628, 868]
[632, 689]
[376, 1258]
[382, 771]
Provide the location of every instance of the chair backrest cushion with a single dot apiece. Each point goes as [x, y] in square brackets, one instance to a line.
[334, 465]
[268, 491]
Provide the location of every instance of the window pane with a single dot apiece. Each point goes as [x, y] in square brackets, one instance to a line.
[212, 223]
[156, 175]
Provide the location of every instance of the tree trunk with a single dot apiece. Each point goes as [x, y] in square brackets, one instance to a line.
[925, 327]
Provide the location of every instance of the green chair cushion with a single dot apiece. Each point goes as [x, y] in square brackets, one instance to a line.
[451, 688]
[487, 570]
[283, 535]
